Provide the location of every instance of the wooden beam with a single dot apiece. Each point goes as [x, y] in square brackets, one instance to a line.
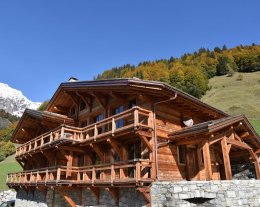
[115, 146]
[98, 151]
[96, 193]
[257, 151]
[199, 161]
[66, 197]
[74, 98]
[238, 144]
[101, 102]
[73, 149]
[61, 109]
[115, 194]
[226, 159]
[207, 161]
[146, 142]
[187, 166]
[88, 101]
[145, 191]
[120, 98]
[244, 135]
[256, 164]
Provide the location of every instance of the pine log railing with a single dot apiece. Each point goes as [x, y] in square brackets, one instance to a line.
[132, 171]
[134, 117]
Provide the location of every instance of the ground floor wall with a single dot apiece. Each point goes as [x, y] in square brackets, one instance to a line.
[128, 197]
[206, 193]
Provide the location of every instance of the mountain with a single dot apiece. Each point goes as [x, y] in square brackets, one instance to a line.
[4, 123]
[13, 101]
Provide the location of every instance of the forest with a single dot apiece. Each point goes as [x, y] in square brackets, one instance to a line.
[192, 71]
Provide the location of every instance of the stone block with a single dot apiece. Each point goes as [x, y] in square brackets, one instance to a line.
[231, 194]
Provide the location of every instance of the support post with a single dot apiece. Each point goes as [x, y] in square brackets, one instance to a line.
[226, 159]
[207, 161]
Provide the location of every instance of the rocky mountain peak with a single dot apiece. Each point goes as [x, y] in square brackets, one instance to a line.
[13, 101]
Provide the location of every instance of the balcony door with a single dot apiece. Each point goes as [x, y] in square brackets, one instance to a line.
[120, 122]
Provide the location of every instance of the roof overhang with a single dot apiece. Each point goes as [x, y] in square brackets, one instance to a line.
[137, 86]
[238, 124]
[36, 119]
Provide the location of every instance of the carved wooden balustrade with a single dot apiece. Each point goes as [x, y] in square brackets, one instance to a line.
[132, 172]
[135, 117]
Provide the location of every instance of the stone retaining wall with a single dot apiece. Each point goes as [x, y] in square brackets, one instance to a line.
[7, 196]
[128, 197]
[206, 193]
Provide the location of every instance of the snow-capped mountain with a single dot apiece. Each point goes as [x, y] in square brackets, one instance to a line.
[13, 101]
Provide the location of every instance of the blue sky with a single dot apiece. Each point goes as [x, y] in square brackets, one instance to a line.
[43, 42]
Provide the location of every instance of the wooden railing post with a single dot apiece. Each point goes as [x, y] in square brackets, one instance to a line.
[51, 137]
[78, 175]
[112, 173]
[113, 125]
[30, 146]
[93, 175]
[95, 131]
[35, 144]
[62, 132]
[136, 117]
[37, 176]
[58, 174]
[138, 171]
[42, 141]
[46, 176]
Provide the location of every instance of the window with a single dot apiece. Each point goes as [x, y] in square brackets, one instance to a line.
[134, 150]
[120, 122]
[181, 154]
[99, 117]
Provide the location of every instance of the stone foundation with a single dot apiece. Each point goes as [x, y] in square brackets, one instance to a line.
[7, 196]
[206, 193]
[128, 197]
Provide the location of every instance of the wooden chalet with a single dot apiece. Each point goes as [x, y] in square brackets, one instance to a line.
[127, 133]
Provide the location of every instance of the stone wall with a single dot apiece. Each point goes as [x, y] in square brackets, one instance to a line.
[129, 197]
[7, 196]
[243, 171]
[206, 193]
[30, 198]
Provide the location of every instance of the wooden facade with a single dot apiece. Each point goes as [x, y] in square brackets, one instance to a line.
[127, 133]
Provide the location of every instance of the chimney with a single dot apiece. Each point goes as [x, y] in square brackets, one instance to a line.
[72, 79]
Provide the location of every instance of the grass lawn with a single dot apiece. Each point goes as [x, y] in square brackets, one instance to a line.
[7, 166]
[256, 125]
[236, 97]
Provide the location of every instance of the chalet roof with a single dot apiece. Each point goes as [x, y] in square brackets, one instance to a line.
[35, 118]
[150, 87]
[213, 126]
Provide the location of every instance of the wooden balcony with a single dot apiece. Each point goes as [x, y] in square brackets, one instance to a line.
[133, 118]
[129, 173]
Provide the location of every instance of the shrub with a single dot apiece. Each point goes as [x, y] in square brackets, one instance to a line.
[9, 148]
[2, 156]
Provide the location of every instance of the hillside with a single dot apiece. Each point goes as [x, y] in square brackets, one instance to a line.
[7, 166]
[236, 96]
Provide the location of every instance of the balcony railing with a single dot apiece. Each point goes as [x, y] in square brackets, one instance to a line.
[120, 173]
[135, 117]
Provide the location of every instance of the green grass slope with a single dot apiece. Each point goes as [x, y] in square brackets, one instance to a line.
[236, 96]
[7, 166]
